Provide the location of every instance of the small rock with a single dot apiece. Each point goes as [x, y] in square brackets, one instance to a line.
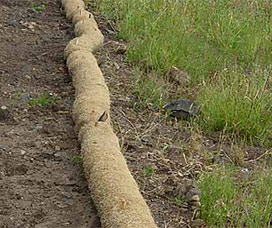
[4, 107]
[4, 112]
[23, 152]
[58, 154]
[31, 27]
[195, 198]
[38, 127]
[28, 77]
[24, 96]
[245, 170]
[66, 182]
[192, 192]
[178, 76]
[57, 148]
[3, 149]
[68, 195]
[49, 153]
[116, 65]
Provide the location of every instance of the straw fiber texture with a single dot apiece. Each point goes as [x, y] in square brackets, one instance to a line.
[114, 190]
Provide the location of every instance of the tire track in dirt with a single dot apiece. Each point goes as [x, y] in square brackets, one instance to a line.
[41, 179]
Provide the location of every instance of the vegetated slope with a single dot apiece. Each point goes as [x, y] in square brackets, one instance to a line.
[41, 178]
[224, 47]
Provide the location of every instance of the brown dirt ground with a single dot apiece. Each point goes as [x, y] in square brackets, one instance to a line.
[41, 179]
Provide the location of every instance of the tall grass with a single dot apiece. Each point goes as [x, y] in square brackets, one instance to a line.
[233, 199]
[239, 105]
[196, 35]
[206, 38]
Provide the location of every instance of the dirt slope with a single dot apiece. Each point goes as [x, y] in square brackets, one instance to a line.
[41, 179]
[153, 146]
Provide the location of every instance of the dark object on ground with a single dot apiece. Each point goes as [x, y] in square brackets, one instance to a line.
[182, 108]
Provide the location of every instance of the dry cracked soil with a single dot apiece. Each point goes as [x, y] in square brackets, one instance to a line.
[41, 180]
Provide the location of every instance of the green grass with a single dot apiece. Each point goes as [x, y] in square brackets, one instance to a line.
[238, 105]
[178, 200]
[232, 199]
[148, 171]
[218, 43]
[150, 91]
[43, 100]
[37, 7]
[78, 159]
[201, 37]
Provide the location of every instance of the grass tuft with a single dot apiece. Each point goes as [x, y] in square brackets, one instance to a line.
[37, 7]
[43, 100]
[231, 198]
[148, 171]
[239, 105]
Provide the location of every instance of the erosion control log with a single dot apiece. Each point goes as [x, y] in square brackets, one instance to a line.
[114, 190]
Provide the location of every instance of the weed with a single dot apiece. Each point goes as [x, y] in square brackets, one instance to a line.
[78, 159]
[237, 154]
[225, 47]
[178, 200]
[218, 191]
[37, 7]
[148, 171]
[43, 100]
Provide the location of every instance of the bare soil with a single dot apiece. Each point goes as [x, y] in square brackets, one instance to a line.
[41, 180]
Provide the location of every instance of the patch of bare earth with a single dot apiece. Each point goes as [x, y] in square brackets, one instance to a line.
[41, 180]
